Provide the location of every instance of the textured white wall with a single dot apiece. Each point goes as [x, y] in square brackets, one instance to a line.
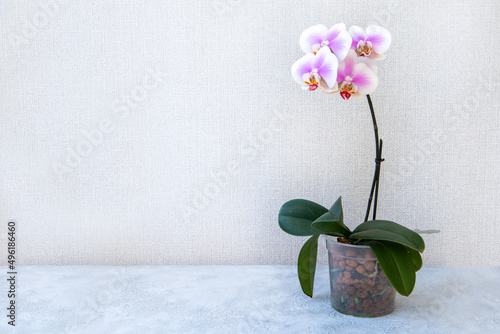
[196, 97]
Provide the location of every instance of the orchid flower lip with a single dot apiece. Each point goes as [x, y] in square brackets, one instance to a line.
[364, 48]
[345, 95]
[311, 80]
[347, 89]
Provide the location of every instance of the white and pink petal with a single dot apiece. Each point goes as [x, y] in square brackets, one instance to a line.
[348, 64]
[376, 56]
[335, 31]
[303, 66]
[365, 79]
[327, 65]
[357, 34]
[379, 37]
[312, 36]
[341, 45]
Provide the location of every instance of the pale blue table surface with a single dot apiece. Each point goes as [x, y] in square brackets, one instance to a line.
[237, 299]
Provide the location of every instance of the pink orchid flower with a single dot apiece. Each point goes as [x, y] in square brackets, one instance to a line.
[337, 40]
[372, 44]
[312, 71]
[355, 78]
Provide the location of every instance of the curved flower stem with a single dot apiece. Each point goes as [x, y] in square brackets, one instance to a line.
[378, 161]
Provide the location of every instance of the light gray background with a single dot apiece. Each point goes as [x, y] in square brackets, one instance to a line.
[196, 171]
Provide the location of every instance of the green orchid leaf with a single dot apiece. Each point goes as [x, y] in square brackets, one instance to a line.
[336, 210]
[383, 235]
[329, 224]
[389, 231]
[295, 217]
[306, 266]
[416, 258]
[396, 263]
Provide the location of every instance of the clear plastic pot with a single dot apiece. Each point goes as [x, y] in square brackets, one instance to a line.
[358, 285]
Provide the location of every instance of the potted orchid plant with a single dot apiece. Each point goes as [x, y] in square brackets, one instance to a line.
[378, 258]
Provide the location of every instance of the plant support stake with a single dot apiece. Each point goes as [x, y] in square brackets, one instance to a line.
[378, 161]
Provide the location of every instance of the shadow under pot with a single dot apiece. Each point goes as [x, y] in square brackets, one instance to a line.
[358, 285]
